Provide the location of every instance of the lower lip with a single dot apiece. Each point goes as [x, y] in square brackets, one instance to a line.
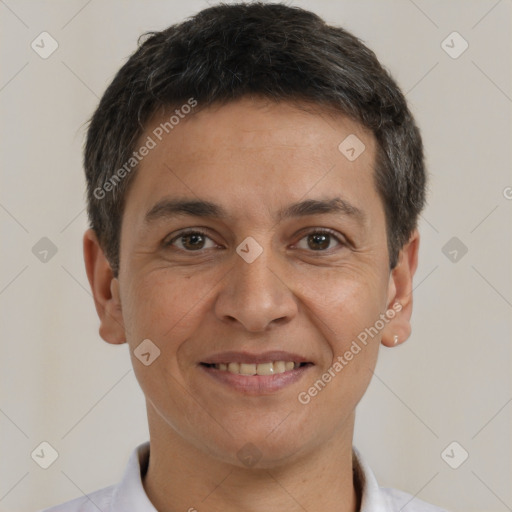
[256, 384]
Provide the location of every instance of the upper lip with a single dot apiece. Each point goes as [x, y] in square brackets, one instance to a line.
[247, 357]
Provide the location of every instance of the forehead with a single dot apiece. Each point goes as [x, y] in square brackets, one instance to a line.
[249, 124]
[255, 156]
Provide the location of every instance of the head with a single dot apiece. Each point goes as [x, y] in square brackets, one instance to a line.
[264, 123]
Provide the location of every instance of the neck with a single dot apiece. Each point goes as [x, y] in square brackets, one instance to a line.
[181, 477]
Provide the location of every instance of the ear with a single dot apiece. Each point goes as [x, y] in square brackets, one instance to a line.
[400, 293]
[105, 290]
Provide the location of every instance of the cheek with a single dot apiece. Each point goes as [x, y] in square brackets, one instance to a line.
[166, 309]
[344, 313]
[160, 305]
[344, 301]
[346, 304]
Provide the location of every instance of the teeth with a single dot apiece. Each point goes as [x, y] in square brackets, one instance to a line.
[269, 368]
[233, 368]
[247, 369]
[279, 366]
[265, 369]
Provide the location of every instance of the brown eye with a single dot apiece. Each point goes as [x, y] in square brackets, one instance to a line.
[190, 241]
[194, 241]
[320, 240]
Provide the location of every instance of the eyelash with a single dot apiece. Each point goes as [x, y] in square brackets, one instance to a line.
[199, 231]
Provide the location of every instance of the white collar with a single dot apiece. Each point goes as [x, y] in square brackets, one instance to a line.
[129, 494]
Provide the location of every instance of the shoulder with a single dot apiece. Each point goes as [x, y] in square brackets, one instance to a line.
[384, 499]
[126, 496]
[398, 500]
[97, 500]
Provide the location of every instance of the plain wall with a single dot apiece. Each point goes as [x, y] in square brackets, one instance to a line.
[451, 381]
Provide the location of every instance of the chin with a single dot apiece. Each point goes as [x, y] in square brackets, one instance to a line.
[262, 451]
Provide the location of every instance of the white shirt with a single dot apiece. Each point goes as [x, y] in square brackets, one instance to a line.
[129, 495]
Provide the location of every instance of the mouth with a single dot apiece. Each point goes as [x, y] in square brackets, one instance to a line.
[256, 374]
[268, 368]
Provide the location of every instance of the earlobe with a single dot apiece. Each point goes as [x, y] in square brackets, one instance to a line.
[400, 293]
[105, 290]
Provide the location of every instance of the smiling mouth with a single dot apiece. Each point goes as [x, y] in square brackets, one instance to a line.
[268, 368]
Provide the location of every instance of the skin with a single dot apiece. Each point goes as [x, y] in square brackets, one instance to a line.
[252, 157]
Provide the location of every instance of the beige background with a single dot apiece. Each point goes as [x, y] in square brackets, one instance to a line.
[450, 382]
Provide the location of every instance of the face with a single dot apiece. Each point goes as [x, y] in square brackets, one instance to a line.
[253, 255]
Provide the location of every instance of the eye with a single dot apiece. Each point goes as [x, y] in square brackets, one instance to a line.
[191, 240]
[195, 240]
[320, 240]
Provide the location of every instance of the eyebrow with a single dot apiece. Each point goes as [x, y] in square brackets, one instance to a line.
[169, 208]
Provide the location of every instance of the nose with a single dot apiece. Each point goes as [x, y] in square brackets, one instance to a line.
[256, 295]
